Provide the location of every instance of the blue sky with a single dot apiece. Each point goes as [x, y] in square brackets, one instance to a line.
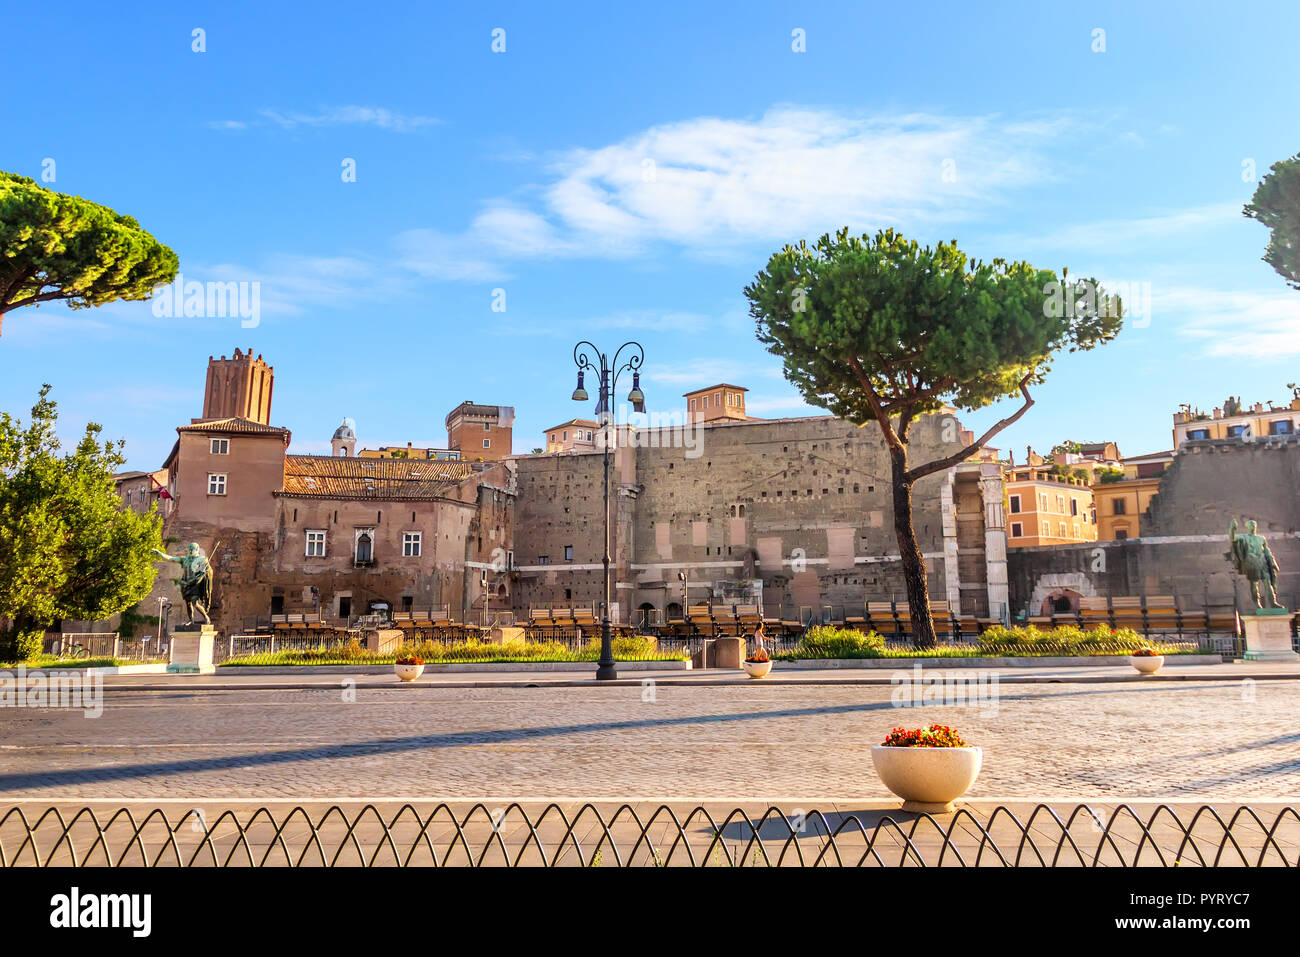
[529, 171]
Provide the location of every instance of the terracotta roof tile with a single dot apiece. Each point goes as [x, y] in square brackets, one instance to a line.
[236, 424]
[323, 476]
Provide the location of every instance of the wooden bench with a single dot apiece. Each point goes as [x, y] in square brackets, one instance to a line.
[1093, 612]
[700, 619]
[748, 617]
[1162, 615]
[880, 615]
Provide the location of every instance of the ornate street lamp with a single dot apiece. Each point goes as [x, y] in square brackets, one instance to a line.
[587, 356]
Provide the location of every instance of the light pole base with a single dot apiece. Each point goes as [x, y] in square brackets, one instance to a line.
[606, 672]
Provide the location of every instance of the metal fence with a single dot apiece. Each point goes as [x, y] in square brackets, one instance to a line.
[329, 836]
[74, 646]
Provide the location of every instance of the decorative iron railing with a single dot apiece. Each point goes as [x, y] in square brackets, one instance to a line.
[330, 835]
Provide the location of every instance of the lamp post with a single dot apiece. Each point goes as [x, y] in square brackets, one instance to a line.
[587, 356]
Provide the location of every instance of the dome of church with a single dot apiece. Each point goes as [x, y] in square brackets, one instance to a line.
[344, 431]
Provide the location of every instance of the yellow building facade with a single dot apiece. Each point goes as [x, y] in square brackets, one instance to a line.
[1046, 508]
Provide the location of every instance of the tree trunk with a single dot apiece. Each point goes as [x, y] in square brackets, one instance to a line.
[918, 594]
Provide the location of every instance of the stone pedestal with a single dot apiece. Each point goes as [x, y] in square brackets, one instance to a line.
[1268, 638]
[728, 652]
[506, 633]
[191, 651]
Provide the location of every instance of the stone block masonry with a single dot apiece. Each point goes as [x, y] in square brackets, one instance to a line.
[800, 508]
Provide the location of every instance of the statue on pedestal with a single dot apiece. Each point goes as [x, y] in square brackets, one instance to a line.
[1252, 558]
[195, 582]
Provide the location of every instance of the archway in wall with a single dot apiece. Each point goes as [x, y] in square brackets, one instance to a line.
[1054, 588]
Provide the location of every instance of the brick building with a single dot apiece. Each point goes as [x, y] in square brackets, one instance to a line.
[339, 535]
[793, 513]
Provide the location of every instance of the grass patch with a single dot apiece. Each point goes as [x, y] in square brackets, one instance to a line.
[637, 648]
[829, 641]
[50, 661]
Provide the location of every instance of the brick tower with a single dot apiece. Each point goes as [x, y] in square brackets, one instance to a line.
[480, 431]
[239, 387]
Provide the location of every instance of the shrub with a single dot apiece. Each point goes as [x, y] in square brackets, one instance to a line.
[21, 644]
[935, 736]
[1065, 640]
[829, 641]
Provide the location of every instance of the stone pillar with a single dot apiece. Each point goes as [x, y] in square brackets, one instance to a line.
[995, 538]
[1268, 638]
[191, 651]
[951, 568]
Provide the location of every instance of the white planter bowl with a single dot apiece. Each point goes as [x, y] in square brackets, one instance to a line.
[408, 672]
[927, 779]
[1147, 664]
[757, 669]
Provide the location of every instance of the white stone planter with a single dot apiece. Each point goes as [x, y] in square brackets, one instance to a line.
[408, 672]
[927, 779]
[757, 669]
[1147, 664]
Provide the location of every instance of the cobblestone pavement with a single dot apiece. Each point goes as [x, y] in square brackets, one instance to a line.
[744, 743]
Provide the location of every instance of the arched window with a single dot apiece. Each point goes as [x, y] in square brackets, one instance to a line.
[365, 548]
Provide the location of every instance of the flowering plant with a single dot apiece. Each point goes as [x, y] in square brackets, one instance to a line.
[1146, 653]
[935, 736]
[758, 657]
[410, 660]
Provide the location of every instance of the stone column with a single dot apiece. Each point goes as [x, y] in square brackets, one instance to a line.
[951, 568]
[995, 538]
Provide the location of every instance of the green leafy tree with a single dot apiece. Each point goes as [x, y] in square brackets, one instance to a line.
[882, 330]
[67, 547]
[1276, 204]
[59, 247]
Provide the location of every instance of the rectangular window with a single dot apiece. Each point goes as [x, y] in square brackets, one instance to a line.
[1015, 504]
[1280, 427]
[1237, 431]
[487, 443]
[543, 559]
[1074, 506]
[487, 426]
[568, 553]
[128, 496]
[1119, 507]
[692, 405]
[1017, 530]
[411, 544]
[1076, 531]
[1121, 533]
[315, 544]
[216, 483]
[1042, 502]
[1060, 503]
[1061, 529]
[1198, 433]
[1046, 530]
[221, 446]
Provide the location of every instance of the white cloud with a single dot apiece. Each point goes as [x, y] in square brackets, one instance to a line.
[1228, 323]
[375, 116]
[710, 185]
[792, 173]
[1114, 235]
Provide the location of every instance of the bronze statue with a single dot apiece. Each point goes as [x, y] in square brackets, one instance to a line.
[195, 581]
[1251, 557]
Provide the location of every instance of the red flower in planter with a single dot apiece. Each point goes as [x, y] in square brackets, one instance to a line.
[935, 736]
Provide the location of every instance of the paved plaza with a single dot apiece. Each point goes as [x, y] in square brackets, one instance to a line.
[748, 743]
